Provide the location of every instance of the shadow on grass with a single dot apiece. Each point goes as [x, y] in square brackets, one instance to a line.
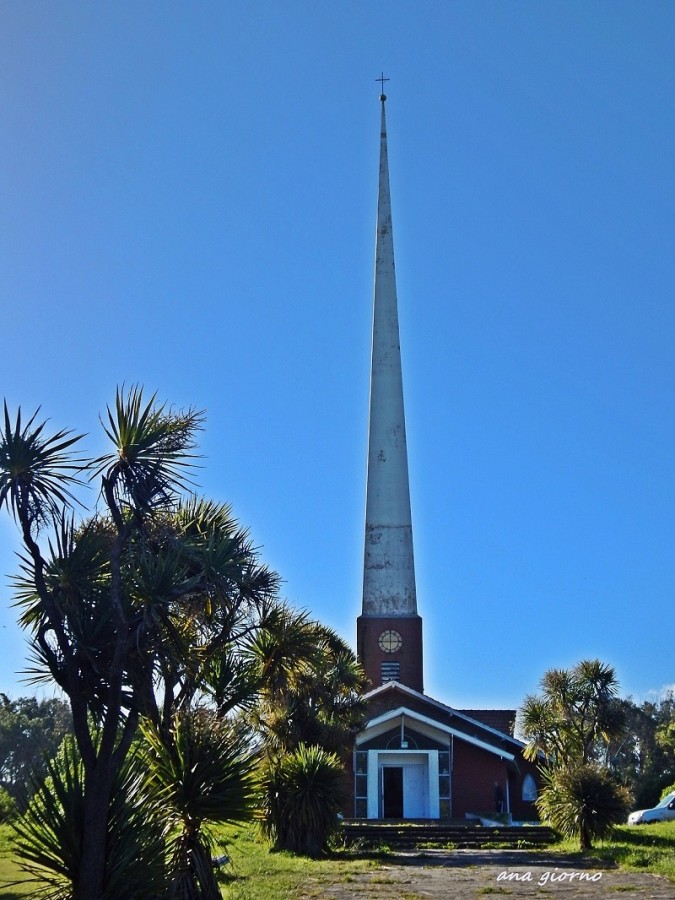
[644, 838]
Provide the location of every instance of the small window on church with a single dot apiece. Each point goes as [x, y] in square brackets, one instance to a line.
[391, 671]
[529, 789]
[444, 787]
[361, 784]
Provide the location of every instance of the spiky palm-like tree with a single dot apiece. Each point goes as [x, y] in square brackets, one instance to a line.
[204, 774]
[569, 727]
[582, 800]
[304, 792]
[48, 835]
[37, 471]
[309, 707]
[311, 685]
[124, 607]
[575, 716]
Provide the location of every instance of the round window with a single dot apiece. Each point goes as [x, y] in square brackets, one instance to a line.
[390, 641]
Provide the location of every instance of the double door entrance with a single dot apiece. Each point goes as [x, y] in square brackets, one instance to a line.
[404, 790]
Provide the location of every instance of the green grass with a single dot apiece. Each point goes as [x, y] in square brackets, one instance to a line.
[256, 874]
[253, 873]
[10, 871]
[637, 848]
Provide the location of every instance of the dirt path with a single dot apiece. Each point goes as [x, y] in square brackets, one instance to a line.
[462, 874]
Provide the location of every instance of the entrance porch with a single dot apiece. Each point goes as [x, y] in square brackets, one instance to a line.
[405, 765]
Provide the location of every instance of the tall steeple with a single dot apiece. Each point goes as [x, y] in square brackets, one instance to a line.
[389, 631]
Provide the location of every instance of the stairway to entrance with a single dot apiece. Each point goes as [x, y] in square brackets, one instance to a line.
[423, 834]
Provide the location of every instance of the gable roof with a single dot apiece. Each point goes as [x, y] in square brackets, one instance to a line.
[391, 715]
[476, 725]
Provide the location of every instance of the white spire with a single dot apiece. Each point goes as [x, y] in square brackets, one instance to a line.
[389, 569]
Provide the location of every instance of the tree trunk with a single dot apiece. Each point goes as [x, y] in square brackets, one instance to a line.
[585, 842]
[97, 791]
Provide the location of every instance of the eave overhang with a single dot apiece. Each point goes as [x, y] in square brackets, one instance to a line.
[380, 724]
[403, 688]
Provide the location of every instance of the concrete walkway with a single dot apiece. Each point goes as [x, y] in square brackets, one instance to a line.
[459, 874]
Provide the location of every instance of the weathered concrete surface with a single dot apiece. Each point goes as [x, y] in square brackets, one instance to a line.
[389, 581]
[389, 571]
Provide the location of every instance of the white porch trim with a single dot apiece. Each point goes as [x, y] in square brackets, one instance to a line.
[403, 688]
[381, 724]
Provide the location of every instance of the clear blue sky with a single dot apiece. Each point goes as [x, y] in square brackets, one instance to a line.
[187, 201]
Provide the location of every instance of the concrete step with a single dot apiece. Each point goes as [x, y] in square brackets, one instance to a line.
[425, 834]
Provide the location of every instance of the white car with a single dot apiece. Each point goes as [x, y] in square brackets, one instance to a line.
[662, 812]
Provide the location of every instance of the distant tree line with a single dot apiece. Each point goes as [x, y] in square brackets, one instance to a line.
[643, 755]
[31, 732]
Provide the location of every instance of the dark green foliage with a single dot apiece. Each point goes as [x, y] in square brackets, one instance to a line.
[31, 731]
[575, 717]
[36, 471]
[570, 728]
[311, 686]
[201, 772]
[583, 800]
[8, 807]
[49, 836]
[152, 454]
[304, 792]
[308, 709]
[644, 758]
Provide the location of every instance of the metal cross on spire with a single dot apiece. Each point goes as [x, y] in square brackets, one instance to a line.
[382, 80]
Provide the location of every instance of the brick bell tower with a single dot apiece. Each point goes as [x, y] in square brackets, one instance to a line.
[389, 630]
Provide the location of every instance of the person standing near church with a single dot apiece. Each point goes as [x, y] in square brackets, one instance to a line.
[499, 798]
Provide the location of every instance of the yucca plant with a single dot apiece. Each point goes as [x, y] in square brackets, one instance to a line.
[49, 834]
[201, 772]
[583, 801]
[304, 793]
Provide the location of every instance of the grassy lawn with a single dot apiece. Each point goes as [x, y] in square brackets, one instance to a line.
[256, 874]
[638, 848]
[253, 873]
[9, 870]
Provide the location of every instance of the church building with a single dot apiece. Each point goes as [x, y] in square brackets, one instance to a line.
[416, 757]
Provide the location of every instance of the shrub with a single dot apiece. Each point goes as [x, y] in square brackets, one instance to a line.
[200, 773]
[304, 794]
[583, 801]
[49, 834]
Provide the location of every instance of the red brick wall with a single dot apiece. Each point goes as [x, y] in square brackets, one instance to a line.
[474, 774]
[473, 782]
[368, 631]
[503, 720]
[392, 700]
